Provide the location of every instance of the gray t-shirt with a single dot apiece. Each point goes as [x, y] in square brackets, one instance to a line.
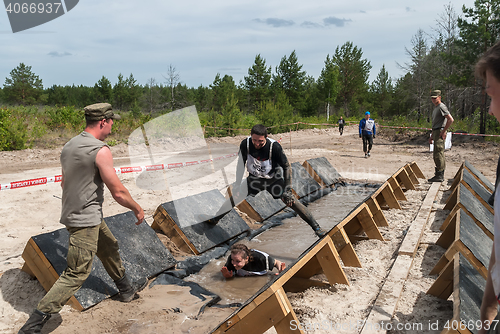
[438, 116]
[83, 188]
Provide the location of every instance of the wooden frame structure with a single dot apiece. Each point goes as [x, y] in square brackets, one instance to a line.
[468, 239]
[461, 279]
[37, 266]
[270, 306]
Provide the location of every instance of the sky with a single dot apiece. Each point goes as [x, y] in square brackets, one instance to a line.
[202, 38]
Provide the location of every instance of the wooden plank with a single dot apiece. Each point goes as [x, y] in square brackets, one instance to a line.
[270, 313]
[403, 178]
[345, 249]
[453, 199]
[396, 188]
[378, 215]
[389, 197]
[443, 286]
[386, 302]
[298, 284]
[450, 234]
[171, 230]
[329, 260]
[478, 175]
[41, 268]
[417, 170]
[411, 174]
[322, 169]
[410, 244]
[249, 210]
[368, 224]
[311, 172]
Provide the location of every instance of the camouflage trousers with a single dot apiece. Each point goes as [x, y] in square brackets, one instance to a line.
[84, 244]
[438, 153]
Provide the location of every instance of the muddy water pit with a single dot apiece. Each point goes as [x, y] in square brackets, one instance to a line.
[285, 243]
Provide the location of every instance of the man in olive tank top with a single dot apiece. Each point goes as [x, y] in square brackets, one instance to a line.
[87, 164]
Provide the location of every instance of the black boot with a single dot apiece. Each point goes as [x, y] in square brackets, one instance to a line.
[439, 177]
[35, 323]
[127, 290]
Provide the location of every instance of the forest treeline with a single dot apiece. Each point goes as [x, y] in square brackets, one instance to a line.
[442, 58]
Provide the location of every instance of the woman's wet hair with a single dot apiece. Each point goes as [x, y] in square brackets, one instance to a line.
[241, 249]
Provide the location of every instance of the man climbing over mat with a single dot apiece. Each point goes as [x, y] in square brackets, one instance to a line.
[87, 164]
[262, 156]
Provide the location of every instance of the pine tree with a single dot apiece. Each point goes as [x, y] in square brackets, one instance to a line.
[23, 87]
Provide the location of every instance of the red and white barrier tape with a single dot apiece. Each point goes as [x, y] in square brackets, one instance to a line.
[118, 170]
[454, 133]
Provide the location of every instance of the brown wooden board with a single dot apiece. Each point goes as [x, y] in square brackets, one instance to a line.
[142, 253]
[190, 215]
[302, 182]
[324, 170]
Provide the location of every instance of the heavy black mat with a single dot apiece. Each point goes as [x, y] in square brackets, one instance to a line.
[327, 173]
[142, 253]
[191, 214]
[265, 205]
[302, 182]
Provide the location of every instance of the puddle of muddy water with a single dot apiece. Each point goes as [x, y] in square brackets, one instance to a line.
[285, 243]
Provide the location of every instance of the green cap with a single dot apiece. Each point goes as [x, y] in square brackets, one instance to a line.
[436, 93]
[98, 111]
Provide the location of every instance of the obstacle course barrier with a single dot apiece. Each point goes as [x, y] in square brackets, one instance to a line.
[468, 239]
[142, 253]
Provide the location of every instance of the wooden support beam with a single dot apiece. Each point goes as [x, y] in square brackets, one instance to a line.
[389, 197]
[329, 260]
[276, 311]
[396, 188]
[345, 249]
[417, 170]
[404, 178]
[411, 174]
[375, 209]
[165, 223]
[36, 264]
[368, 224]
[443, 286]
[450, 233]
[453, 199]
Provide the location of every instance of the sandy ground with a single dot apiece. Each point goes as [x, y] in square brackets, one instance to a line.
[34, 210]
